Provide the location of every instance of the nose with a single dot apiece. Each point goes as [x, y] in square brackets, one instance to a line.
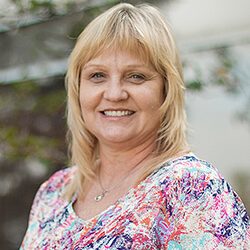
[115, 91]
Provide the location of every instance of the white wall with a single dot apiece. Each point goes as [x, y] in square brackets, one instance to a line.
[216, 135]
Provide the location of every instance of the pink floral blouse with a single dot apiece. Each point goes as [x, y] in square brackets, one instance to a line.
[185, 204]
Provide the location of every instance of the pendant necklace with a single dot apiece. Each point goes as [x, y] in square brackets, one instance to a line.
[100, 196]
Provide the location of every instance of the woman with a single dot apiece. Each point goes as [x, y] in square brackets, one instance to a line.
[134, 184]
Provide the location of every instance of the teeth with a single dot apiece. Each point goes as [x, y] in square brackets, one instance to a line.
[117, 113]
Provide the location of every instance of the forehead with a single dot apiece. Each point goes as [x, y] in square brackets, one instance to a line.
[117, 56]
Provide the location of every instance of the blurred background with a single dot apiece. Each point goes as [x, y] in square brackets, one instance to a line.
[36, 37]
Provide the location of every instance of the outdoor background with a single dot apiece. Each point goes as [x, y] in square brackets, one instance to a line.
[36, 37]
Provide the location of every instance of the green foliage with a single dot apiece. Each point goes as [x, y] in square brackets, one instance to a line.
[26, 87]
[51, 102]
[224, 73]
[17, 144]
[38, 4]
[89, 14]
[194, 85]
[31, 118]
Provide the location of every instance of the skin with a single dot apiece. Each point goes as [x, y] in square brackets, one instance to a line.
[119, 81]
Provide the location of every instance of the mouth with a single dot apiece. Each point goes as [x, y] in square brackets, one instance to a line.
[117, 113]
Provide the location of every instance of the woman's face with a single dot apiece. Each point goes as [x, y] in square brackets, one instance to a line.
[120, 97]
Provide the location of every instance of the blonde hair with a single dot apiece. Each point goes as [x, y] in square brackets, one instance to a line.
[131, 28]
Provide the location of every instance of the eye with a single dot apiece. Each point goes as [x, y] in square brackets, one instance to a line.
[136, 78]
[97, 77]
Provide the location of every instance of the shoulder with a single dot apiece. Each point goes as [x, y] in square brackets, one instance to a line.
[59, 180]
[53, 188]
[187, 170]
[191, 180]
[195, 187]
[47, 203]
[198, 199]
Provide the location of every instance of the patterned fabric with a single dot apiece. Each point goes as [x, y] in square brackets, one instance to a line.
[185, 204]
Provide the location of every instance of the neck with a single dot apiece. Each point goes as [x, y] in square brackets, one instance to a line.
[117, 163]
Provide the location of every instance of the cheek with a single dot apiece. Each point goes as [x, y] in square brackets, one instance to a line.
[155, 100]
[84, 102]
[156, 94]
[84, 109]
[87, 109]
[89, 99]
[85, 95]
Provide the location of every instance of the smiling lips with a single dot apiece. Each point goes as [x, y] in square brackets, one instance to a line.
[117, 113]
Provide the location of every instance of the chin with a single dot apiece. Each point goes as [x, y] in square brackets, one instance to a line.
[116, 139]
[116, 134]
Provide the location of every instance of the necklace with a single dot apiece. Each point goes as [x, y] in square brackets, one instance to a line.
[100, 196]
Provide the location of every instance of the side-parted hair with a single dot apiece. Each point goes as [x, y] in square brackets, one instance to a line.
[137, 29]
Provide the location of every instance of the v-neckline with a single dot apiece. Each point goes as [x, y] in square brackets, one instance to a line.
[91, 221]
[95, 218]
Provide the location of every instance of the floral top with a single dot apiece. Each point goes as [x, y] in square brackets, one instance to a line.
[185, 204]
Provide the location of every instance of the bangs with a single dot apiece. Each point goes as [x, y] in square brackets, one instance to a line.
[122, 31]
[127, 44]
